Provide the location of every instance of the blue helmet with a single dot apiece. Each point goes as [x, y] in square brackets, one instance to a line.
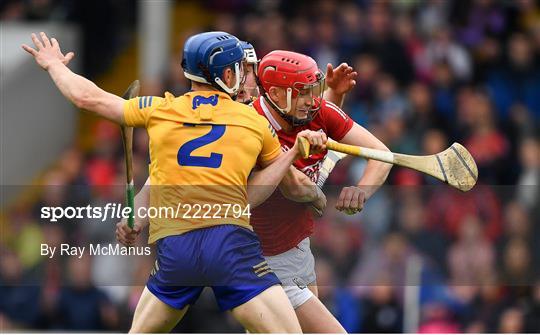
[206, 55]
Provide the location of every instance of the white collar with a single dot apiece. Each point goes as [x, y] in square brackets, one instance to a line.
[269, 115]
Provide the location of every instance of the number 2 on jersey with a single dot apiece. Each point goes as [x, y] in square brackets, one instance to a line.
[184, 153]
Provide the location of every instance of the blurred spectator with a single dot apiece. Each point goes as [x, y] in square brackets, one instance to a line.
[338, 242]
[532, 317]
[422, 115]
[389, 103]
[486, 143]
[443, 48]
[472, 257]
[517, 224]
[488, 56]
[82, 306]
[338, 299]
[433, 245]
[518, 80]
[363, 95]
[381, 43]
[386, 261]
[448, 210]
[350, 24]
[517, 263]
[324, 51]
[511, 321]
[300, 31]
[414, 45]
[18, 307]
[486, 308]
[486, 17]
[432, 15]
[444, 91]
[437, 318]
[527, 14]
[382, 313]
[529, 179]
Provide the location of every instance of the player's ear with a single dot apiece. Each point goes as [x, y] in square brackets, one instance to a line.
[274, 93]
[228, 77]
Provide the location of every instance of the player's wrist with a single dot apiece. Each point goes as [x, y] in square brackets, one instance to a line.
[365, 190]
[53, 65]
[295, 152]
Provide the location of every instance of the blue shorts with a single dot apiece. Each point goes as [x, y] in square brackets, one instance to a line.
[227, 258]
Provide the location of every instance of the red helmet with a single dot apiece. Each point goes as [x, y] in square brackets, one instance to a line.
[292, 71]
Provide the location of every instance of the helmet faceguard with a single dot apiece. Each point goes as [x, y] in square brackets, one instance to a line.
[249, 91]
[301, 78]
[250, 56]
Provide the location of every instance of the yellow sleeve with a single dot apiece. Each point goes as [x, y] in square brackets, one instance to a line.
[137, 110]
[271, 147]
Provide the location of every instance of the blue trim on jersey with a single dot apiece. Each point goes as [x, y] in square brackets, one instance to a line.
[140, 102]
[227, 258]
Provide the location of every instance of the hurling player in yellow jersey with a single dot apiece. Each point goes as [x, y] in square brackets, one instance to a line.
[201, 138]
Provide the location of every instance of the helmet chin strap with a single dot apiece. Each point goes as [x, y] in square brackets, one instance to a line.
[284, 112]
[233, 91]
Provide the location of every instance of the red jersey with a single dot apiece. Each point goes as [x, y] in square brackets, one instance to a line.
[279, 222]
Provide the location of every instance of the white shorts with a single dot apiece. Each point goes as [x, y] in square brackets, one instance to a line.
[296, 270]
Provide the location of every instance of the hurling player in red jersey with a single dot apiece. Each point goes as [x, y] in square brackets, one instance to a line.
[291, 99]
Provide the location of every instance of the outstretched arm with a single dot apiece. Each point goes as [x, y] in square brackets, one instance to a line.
[352, 198]
[80, 91]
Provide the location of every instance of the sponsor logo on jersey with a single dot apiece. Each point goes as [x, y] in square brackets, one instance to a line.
[200, 100]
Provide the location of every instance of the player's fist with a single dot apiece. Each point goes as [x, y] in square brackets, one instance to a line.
[47, 51]
[341, 79]
[316, 139]
[351, 200]
[125, 235]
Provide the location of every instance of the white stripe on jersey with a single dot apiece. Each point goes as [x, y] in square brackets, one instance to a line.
[337, 109]
[269, 115]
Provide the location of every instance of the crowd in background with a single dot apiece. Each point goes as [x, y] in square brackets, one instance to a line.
[430, 73]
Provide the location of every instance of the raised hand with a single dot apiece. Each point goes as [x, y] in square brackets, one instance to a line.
[341, 79]
[47, 51]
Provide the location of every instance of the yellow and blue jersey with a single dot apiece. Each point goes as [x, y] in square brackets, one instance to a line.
[203, 146]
